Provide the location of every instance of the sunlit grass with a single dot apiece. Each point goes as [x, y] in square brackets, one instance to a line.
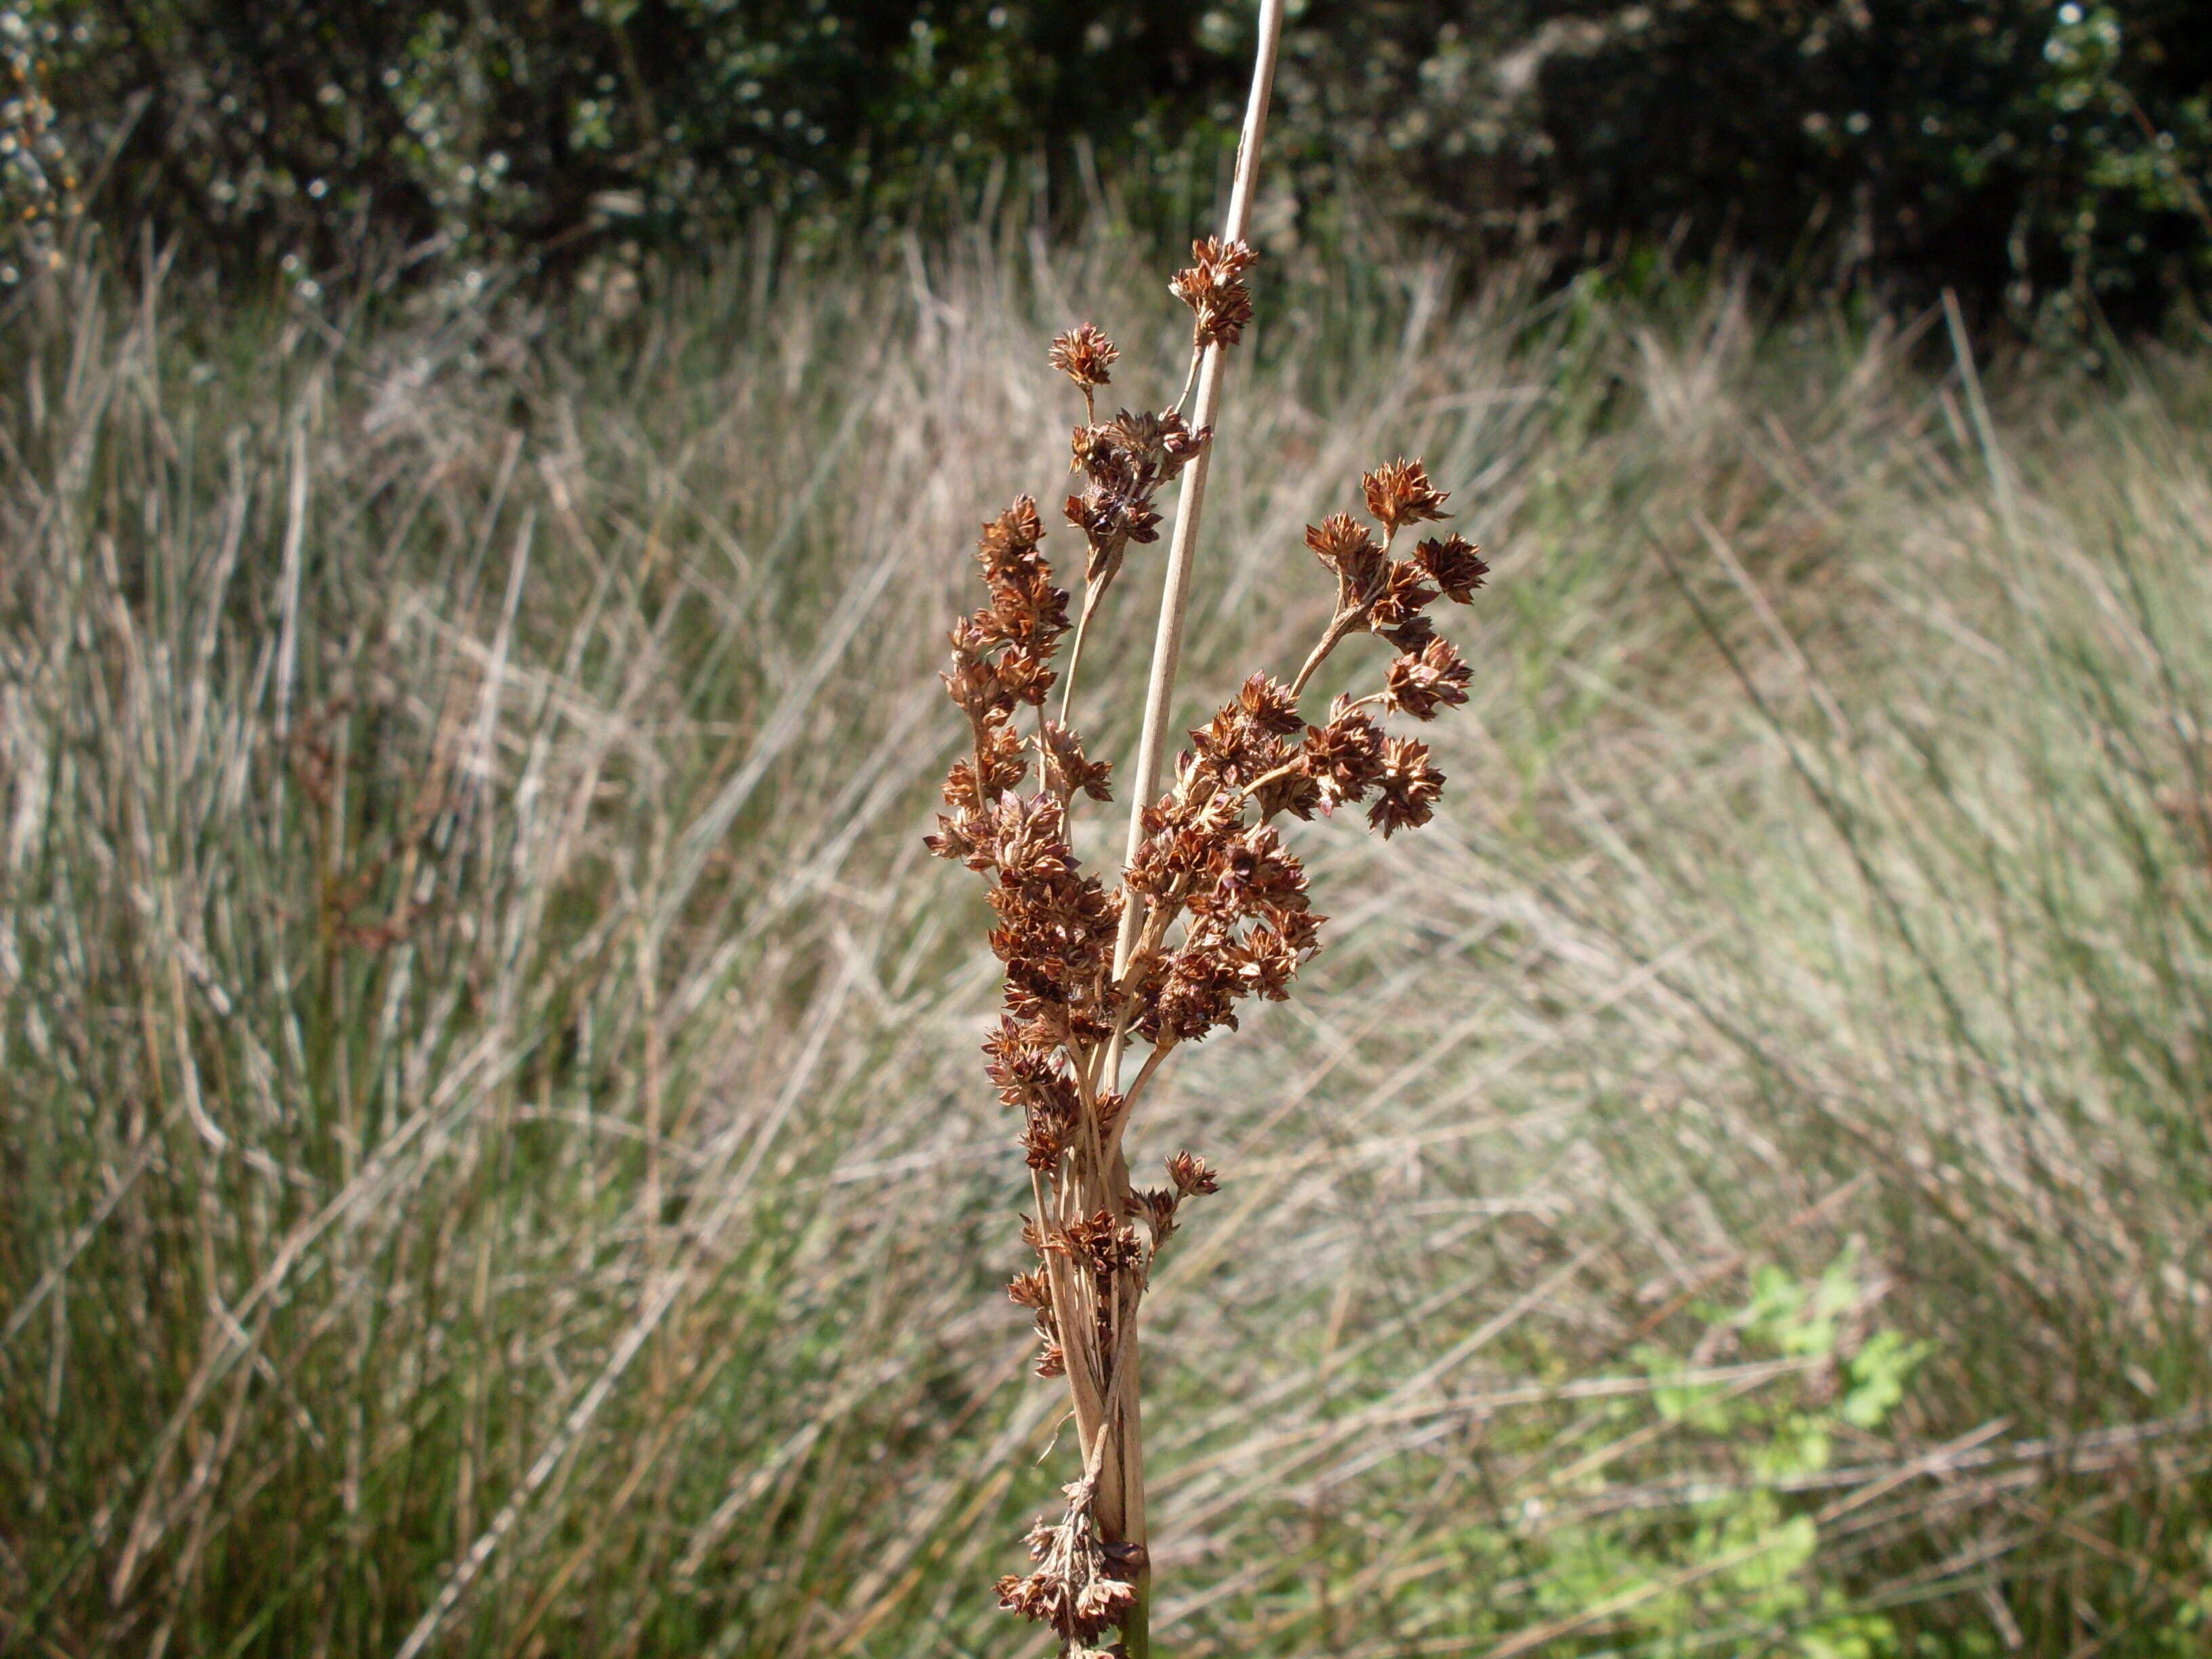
[493, 1155]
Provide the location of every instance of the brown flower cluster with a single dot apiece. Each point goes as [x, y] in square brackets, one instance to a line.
[1125, 461]
[1002, 654]
[1084, 354]
[1081, 1583]
[1399, 493]
[1212, 286]
[1218, 902]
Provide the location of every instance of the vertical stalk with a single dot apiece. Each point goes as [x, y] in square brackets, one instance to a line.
[1175, 593]
[1125, 1520]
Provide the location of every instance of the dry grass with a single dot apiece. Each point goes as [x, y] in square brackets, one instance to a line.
[493, 1156]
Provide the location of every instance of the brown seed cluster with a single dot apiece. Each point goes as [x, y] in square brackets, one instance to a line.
[1081, 1583]
[1125, 461]
[1218, 903]
[1399, 493]
[1002, 654]
[1084, 354]
[1212, 286]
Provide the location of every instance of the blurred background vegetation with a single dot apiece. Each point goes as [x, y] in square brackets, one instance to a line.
[495, 1155]
[2046, 161]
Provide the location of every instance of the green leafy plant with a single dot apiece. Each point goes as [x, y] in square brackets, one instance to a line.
[1734, 1549]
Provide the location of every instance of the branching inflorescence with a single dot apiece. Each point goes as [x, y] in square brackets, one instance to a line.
[1219, 902]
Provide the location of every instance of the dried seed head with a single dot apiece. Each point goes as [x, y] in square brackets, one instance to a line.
[1156, 1208]
[1105, 1245]
[1225, 912]
[1001, 654]
[1250, 929]
[1412, 635]
[1066, 768]
[1127, 460]
[1264, 961]
[1192, 1174]
[1180, 444]
[1400, 597]
[1214, 287]
[1084, 354]
[1111, 520]
[1344, 756]
[1268, 704]
[1348, 548]
[1420, 684]
[1030, 846]
[1182, 829]
[1058, 925]
[1197, 995]
[1455, 565]
[1044, 1139]
[1296, 791]
[1235, 749]
[1047, 1322]
[1400, 493]
[1011, 537]
[1138, 438]
[1004, 769]
[1408, 788]
[1080, 1585]
[1252, 874]
[956, 840]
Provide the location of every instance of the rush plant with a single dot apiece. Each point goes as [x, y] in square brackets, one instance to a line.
[1211, 906]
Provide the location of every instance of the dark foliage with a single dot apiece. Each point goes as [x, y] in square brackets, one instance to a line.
[292, 126]
[2045, 159]
[2030, 153]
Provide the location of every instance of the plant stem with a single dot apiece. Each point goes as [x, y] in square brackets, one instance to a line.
[1343, 623]
[1090, 592]
[1159, 695]
[1175, 593]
